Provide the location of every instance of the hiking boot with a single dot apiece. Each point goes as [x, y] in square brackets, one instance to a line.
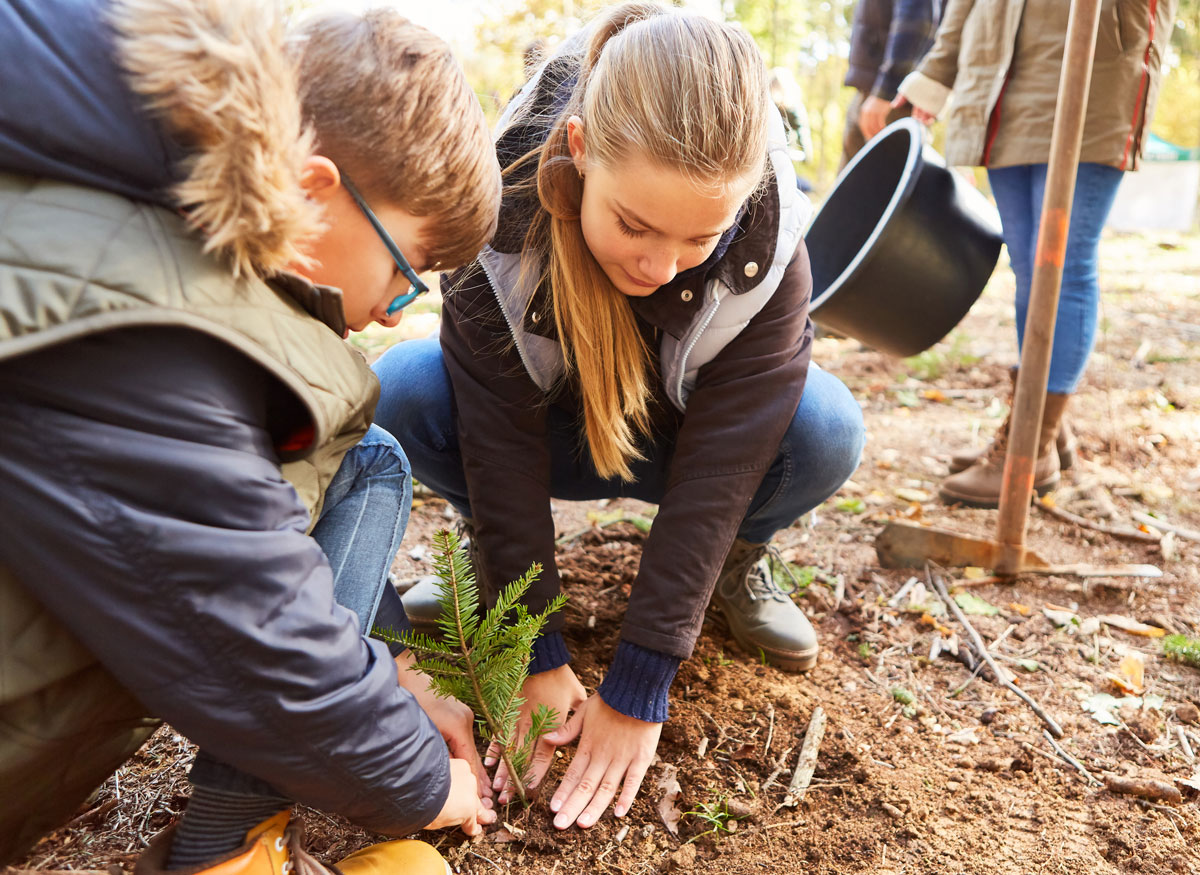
[1064, 441]
[275, 848]
[979, 485]
[764, 621]
[421, 600]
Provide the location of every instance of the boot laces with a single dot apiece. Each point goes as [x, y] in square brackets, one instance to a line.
[755, 575]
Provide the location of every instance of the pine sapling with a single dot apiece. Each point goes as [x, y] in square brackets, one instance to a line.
[483, 661]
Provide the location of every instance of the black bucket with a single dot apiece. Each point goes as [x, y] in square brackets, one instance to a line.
[902, 247]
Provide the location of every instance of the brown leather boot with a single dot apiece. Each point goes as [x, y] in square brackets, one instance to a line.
[1064, 442]
[979, 485]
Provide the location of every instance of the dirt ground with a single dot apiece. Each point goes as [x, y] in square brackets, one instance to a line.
[924, 768]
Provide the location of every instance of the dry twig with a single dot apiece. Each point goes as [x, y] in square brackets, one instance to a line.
[1129, 534]
[981, 648]
[806, 764]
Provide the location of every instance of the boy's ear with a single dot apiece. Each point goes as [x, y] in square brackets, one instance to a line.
[575, 143]
[320, 178]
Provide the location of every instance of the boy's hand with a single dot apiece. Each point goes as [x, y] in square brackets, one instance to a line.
[454, 720]
[558, 689]
[463, 806]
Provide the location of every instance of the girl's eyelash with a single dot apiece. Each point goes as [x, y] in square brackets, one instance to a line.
[626, 230]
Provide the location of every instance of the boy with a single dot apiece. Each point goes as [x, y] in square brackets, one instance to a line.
[180, 412]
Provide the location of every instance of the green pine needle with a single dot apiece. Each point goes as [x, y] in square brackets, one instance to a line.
[483, 659]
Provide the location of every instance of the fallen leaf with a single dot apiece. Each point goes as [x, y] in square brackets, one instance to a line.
[974, 572]
[1193, 781]
[1023, 610]
[1060, 617]
[1103, 707]
[1132, 626]
[930, 620]
[1131, 676]
[667, 809]
[1047, 500]
[933, 395]
[973, 604]
[1029, 664]
[914, 495]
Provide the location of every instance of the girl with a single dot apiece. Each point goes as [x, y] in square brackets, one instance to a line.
[638, 327]
[1002, 60]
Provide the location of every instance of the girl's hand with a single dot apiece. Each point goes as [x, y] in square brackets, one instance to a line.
[453, 720]
[463, 807]
[558, 689]
[614, 752]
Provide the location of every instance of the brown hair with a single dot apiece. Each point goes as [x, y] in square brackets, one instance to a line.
[391, 107]
[685, 93]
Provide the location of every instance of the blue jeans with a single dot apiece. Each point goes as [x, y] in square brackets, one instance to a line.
[1018, 192]
[360, 528]
[819, 451]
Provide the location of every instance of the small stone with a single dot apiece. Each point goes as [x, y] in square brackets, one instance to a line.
[737, 705]
[988, 716]
[684, 859]
[892, 811]
[739, 808]
[1188, 713]
[965, 763]
[997, 764]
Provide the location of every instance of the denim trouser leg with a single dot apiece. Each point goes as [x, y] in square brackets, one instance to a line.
[360, 528]
[1018, 192]
[819, 452]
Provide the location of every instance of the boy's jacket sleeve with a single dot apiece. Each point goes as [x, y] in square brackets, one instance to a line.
[143, 506]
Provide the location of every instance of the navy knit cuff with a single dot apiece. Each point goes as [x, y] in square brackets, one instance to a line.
[638, 682]
[549, 651]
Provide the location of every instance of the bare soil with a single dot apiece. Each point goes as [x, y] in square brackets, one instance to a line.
[922, 769]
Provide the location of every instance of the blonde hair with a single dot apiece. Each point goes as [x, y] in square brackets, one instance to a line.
[391, 107]
[684, 93]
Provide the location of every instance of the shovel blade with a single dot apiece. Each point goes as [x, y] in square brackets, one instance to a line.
[905, 544]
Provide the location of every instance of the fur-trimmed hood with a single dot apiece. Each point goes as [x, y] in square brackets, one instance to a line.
[191, 104]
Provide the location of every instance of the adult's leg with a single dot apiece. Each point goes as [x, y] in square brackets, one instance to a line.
[1012, 188]
[1079, 298]
[362, 522]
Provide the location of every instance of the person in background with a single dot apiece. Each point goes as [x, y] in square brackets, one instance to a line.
[197, 518]
[887, 38]
[994, 71]
[639, 327]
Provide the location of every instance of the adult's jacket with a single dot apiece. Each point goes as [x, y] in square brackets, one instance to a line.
[887, 38]
[173, 408]
[724, 418]
[1002, 60]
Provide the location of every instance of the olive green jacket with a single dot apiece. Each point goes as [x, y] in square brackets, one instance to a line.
[998, 63]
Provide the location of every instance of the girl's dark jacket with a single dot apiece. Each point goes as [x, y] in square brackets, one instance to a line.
[721, 442]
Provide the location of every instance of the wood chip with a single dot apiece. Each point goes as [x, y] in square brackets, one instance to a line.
[1144, 788]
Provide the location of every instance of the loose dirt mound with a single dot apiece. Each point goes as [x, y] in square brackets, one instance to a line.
[922, 769]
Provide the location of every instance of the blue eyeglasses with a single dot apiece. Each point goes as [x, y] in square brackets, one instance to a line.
[416, 287]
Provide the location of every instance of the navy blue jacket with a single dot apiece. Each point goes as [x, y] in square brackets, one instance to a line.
[887, 39]
[142, 501]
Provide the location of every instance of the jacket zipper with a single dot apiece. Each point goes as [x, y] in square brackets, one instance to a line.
[511, 330]
[695, 338]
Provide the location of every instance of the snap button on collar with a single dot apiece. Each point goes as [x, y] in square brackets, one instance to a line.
[686, 295]
[751, 268]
